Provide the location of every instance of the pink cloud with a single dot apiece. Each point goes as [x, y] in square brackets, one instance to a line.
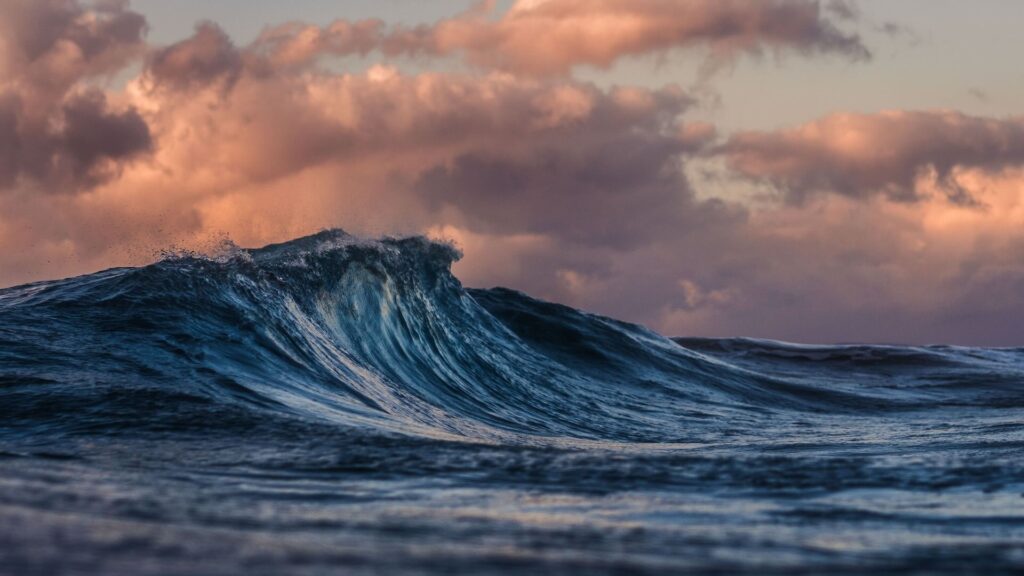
[56, 131]
[49, 45]
[877, 154]
[562, 188]
[209, 55]
[552, 37]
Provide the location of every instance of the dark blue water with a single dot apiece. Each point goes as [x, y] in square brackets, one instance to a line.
[337, 405]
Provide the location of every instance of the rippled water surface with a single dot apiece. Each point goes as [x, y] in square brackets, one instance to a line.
[339, 403]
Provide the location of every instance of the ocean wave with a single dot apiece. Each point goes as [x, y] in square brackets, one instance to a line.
[379, 335]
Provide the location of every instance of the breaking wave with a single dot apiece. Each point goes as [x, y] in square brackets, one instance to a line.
[337, 401]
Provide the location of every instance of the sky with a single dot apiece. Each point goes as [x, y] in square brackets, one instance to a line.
[803, 170]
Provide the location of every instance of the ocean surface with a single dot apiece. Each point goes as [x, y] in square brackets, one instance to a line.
[340, 405]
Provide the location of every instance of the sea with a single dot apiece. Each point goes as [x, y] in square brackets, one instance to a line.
[344, 405]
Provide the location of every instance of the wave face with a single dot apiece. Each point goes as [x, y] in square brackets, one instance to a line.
[341, 401]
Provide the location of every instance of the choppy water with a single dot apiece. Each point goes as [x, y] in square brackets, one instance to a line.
[336, 403]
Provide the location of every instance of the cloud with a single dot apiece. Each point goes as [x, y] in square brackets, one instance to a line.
[552, 37]
[296, 45]
[837, 268]
[576, 190]
[59, 133]
[209, 55]
[832, 269]
[893, 154]
[80, 144]
[267, 123]
[94, 137]
[844, 9]
[569, 190]
[240, 143]
[9, 140]
[48, 45]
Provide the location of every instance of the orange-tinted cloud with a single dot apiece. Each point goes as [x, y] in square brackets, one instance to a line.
[49, 45]
[264, 152]
[552, 37]
[577, 191]
[55, 130]
[562, 188]
[888, 154]
[208, 56]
